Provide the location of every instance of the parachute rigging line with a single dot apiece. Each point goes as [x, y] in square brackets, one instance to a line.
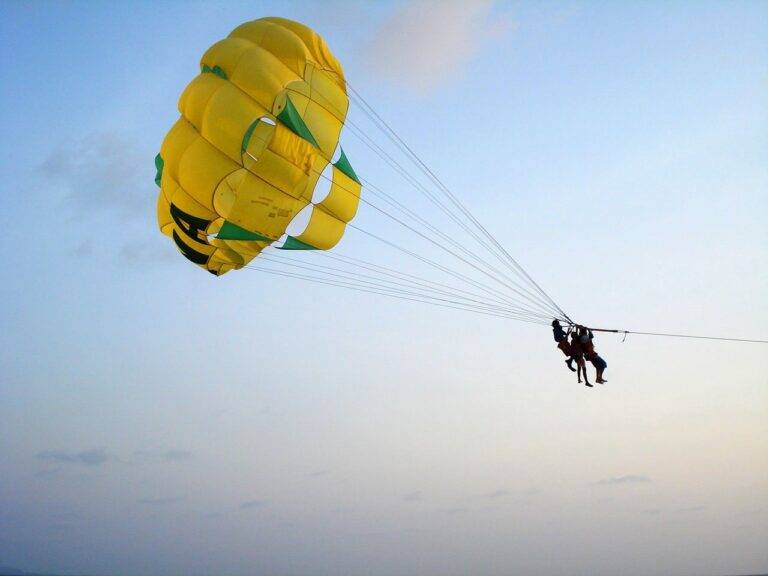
[398, 286]
[419, 187]
[403, 146]
[376, 119]
[533, 299]
[532, 302]
[670, 335]
[365, 265]
[392, 294]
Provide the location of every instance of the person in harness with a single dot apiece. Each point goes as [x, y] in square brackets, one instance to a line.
[577, 352]
[588, 347]
[561, 337]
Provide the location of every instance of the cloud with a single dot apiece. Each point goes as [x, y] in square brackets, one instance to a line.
[171, 456]
[455, 511]
[176, 455]
[426, 43]
[103, 172]
[251, 504]
[161, 501]
[690, 509]
[93, 457]
[623, 480]
[143, 251]
[496, 494]
[84, 249]
[413, 497]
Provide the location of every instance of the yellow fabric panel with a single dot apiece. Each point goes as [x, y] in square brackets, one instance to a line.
[261, 137]
[222, 114]
[325, 127]
[281, 174]
[194, 99]
[318, 165]
[314, 44]
[179, 138]
[260, 75]
[253, 204]
[224, 259]
[183, 201]
[164, 220]
[344, 197]
[327, 92]
[276, 39]
[226, 54]
[293, 148]
[201, 169]
[323, 231]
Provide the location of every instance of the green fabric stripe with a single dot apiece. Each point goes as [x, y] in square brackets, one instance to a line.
[292, 243]
[343, 164]
[159, 165]
[248, 134]
[215, 70]
[292, 119]
[231, 231]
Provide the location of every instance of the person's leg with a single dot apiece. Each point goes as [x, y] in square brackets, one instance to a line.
[566, 349]
[586, 378]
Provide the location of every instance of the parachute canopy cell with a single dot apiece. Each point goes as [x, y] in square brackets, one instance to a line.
[258, 126]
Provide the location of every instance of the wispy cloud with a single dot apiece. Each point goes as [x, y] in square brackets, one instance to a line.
[427, 42]
[171, 456]
[623, 480]
[161, 501]
[144, 251]
[103, 172]
[690, 509]
[496, 494]
[251, 504]
[92, 457]
[413, 497]
[455, 511]
[176, 455]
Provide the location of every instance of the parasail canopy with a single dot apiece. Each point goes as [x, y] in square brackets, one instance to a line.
[258, 127]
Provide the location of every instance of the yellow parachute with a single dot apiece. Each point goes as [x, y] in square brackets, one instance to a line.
[258, 127]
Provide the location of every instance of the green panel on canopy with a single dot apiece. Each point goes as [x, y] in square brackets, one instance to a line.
[159, 165]
[215, 70]
[248, 134]
[344, 166]
[292, 243]
[231, 231]
[293, 120]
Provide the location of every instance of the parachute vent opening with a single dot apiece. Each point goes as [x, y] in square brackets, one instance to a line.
[323, 186]
[299, 222]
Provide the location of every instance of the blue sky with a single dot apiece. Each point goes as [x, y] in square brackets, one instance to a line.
[157, 420]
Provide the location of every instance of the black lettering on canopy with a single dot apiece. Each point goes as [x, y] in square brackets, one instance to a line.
[190, 253]
[192, 226]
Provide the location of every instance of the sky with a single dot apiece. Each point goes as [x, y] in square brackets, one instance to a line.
[157, 420]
